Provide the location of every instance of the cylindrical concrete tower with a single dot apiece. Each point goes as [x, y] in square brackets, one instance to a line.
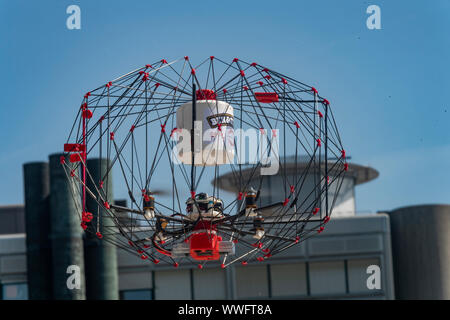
[100, 255]
[66, 233]
[37, 221]
[421, 251]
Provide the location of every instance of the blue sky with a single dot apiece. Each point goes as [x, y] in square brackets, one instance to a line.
[388, 87]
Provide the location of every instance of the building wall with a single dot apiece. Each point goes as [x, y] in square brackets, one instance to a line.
[330, 266]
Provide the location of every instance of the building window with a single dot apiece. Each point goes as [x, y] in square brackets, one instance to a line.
[209, 284]
[327, 278]
[173, 285]
[139, 294]
[357, 274]
[15, 291]
[252, 282]
[288, 280]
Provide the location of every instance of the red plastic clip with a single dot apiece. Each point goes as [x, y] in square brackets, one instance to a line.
[157, 85]
[62, 159]
[284, 80]
[87, 95]
[245, 88]
[87, 114]
[87, 216]
[320, 114]
[235, 240]
[253, 64]
[106, 204]
[274, 132]
[132, 128]
[192, 194]
[111, 136]
[297, 239]
[266, 250]
[244, 263]
[328, 179]
[109, 84]
[186, 58]
[72, 173]
[219, 127]
[164, 61]
[346, 166]
[260, 259]
[200, 266]
[156, 261]
[343, 153]
[320, 229]
[235, 60]
[100, 184]
[222, 266]
[325, 101]
[99, 235]
[297, 125]
[242, 73]
[83, 225]
[148, 66]
[266, 70]
[326, 219]
[212, 58]
[224, 91]
[292, 189]
[260, 83]
[268, 255]
[173, 131]
[163, 128]
[319, 143]
[262, 131]
[315, 210]
[143, 257]
[240, 196]
[192, 71]
[146, 246]
[268, 77]
[314, 90]
[286, 201]
[131, 243]
[175, 264]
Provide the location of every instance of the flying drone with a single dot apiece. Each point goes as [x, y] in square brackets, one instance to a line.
[181, 126]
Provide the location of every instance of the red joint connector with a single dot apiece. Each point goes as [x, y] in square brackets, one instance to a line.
[111, 136]
[200, 266]
[192, 194]
[260, 259]
[163, 128]
[175, 264]
[235, 240]
[172, 132]
[268, 77]
[83, 225]
[146, 246]
[222, 266]
[109, 84]
[315, 210]
[162, 242]
[131, 243]
[244, 263]
[156, 261]
[87, 114]
[319, 143]
[343, 154]
[320, 229]
[219, 127]
[186, 58]
[87, 95]
[219, 238]
[164, 61]
[141, 72]
[326, 219]
[132, 128]
[99, 235]
[266, 250]
[320, 114]
[328, 179]
[284, 80]
[245, 88]
[268, 255]
[297, 125]
[240, 196]
[148, 66]
[260, 83]
[175, 88]
[146, 197]
[242, 73]
[143, 257]
[314, 90]
[192, 71]
[145, 77]
[266, 70]
[87, 216]
[286, 201]
[254, 64]
[235, 60]
[106, 204]
[140, 251]
[297, 239]
[157, 85]
[260, 245]
[101, 119]
[262, 131]
[274, 132]
[292, 189]
[224, 91]
[346, 166]
[212, 58]
[62, 159]
[325, 101]
[72, 173]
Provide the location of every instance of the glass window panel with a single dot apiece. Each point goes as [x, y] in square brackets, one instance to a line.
[327, 278]
[209, 284]
[252, 282]
[357, 276]
[288, 279]
[173, 285]
[15, 291]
